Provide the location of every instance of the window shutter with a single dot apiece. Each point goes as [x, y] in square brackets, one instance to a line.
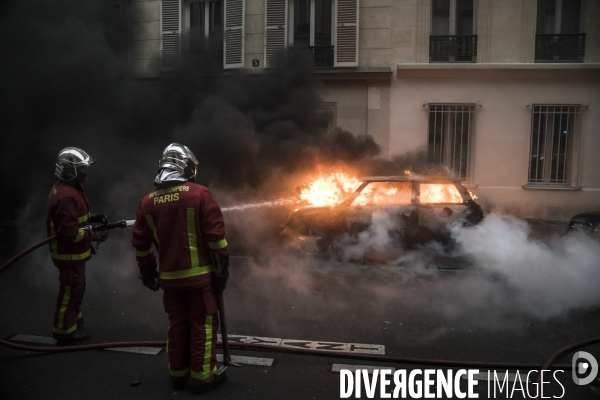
[346, 33]
[233, 45]
[170, 28]
[275, 31]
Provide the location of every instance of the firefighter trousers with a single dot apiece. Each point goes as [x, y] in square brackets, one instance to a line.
[68, 302]
[192, 338]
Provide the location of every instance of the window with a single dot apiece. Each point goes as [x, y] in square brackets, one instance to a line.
[211, 29]
[553, 157]
[450, 137]
[453, 36]
[325, 116]
[204, 28]
[205, 25]
[437, 193]
[329, 28]
[559, 37]
[312, 27]
[116, 28]
[385, 194]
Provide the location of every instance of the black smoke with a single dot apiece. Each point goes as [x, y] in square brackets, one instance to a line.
[65, 81]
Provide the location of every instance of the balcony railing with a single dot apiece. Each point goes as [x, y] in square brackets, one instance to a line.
[560, 48]
[453, 48]
[323, 56]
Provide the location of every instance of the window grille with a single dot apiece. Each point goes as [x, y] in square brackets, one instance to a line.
[325, 116]
[453, 48]
[560, 48]
[450, 137]
[554, 213]
[554, 138]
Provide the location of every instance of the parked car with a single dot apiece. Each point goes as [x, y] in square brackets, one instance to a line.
[588, 223]
[420, 208]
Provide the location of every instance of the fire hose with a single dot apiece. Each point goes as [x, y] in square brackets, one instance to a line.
[94, 228]
[548, 365]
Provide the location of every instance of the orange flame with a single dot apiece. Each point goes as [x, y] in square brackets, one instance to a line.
[329, 190]
[439, 193]
[385, 194]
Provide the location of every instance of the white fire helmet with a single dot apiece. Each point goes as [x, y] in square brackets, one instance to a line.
[68, 160]
[177, 163]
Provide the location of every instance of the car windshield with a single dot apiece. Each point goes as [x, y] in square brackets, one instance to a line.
[384, 194]
[439, 193]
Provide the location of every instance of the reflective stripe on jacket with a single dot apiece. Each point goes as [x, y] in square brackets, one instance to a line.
[185, 224]
[68, 212]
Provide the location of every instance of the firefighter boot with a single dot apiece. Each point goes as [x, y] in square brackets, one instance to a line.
[180, 382]
[218, 380]
[75, 338]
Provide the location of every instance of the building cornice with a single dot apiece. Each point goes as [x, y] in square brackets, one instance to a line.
[381, 75]
[489, 70]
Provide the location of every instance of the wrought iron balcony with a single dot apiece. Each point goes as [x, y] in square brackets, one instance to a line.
[323, 56]
[453, 48]
[560, 48]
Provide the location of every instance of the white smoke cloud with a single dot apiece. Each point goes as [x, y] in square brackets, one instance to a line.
[503, 271]
[546, 279]
[376, 238]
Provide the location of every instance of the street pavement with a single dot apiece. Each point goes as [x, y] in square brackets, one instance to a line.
[442, 309]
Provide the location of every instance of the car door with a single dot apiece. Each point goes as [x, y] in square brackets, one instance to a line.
[440, 204]
[390, 198]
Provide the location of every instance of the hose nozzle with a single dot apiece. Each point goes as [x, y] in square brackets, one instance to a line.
[110, 225]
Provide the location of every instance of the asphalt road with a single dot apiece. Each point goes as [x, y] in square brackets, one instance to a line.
[427, 307]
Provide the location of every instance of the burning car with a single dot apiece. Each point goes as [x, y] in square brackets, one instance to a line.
[418, 209]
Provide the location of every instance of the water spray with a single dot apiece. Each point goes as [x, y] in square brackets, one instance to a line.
[274, 203]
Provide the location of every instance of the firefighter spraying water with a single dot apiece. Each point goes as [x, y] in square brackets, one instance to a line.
[67, 214]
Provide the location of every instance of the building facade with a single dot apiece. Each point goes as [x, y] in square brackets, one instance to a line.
[505, 93]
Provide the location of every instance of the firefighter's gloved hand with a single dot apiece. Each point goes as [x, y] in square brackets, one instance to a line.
[101, 236]
[98, 219]
[221, 279]
[149, 276]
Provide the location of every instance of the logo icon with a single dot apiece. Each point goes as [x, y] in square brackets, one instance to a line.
[590, 365]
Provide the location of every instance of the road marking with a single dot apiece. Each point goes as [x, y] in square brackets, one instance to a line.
[253, 339]
[359, 348]
[151, 351]
[264, 362]
[335, 346]
[511, 376]
[353, 368]
[32, 339]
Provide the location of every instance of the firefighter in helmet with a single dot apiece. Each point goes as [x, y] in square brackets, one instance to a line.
[185, 224]
[67, 213]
